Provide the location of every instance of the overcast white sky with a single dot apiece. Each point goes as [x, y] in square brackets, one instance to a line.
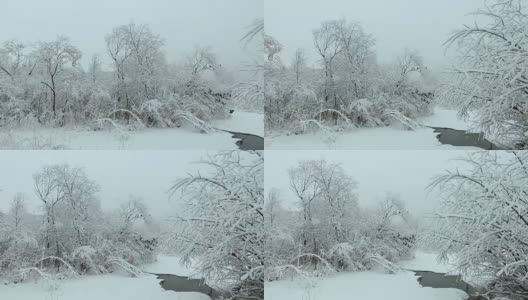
[406, 173]
[182, 23]
[148, 174]
[423, 25]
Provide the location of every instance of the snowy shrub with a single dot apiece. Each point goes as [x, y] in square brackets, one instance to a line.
[14, 112]
[19, 250]
[175, 113]
[347, 257]
[363, 113]
[249, 96]
[86, 259]
[97, 103]
[366, 254]
[394, 246]
[151, 114]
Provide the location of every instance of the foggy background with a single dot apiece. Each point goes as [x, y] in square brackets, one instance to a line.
[181, 23]
[406, 173]
[147, 174]
[395, 24]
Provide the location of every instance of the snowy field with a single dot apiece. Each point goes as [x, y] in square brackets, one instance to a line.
[105, 287]
[372, 285]
[381, 138]
[147, 139]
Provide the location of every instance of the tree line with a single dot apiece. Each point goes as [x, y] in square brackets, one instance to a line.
[71, 234]
[327, 231]
[43, 83]
[347, 87]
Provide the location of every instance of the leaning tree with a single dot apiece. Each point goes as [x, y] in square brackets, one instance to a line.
[490, 77]
[222, 224]
[483, 220]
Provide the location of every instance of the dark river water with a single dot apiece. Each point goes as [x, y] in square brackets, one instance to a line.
[184, 284]
[248, 141]
[177, 283]
[456, 137]
[441, 280]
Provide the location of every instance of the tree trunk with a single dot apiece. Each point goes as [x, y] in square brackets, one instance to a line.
[54, 97]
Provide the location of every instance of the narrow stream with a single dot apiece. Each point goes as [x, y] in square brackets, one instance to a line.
[441, 280]
[186, 284]
[456, 137]
[248, 141]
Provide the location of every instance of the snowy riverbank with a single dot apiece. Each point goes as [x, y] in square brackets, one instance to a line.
[105, 287]
[147, 139]
[243, 122]
[381, 138]
[372, 285]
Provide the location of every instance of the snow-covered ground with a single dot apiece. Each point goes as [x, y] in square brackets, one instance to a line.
[360, 285]
[390, 138]
[443, 117]
[169, 265]
[372, 285]
[106, 287]
[424, 261]
[382, 138]
[244, 122]
[100, 287]
[146, 139]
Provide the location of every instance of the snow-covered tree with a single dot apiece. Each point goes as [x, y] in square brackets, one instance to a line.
[17, 212]
[54, 57]
[12, 58]
[280, 226]
[324, 188]
[120, 52]
[222, 223]
[201, 60]
[138, 62]
[299, 64]
[483, 223]
[288, 101]
[44, 84]
[490, 73]
[72, 235]
[357, 61]
[328, 231]
[347, 89]
[249, 94]
[69, 203]
[389, 229]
